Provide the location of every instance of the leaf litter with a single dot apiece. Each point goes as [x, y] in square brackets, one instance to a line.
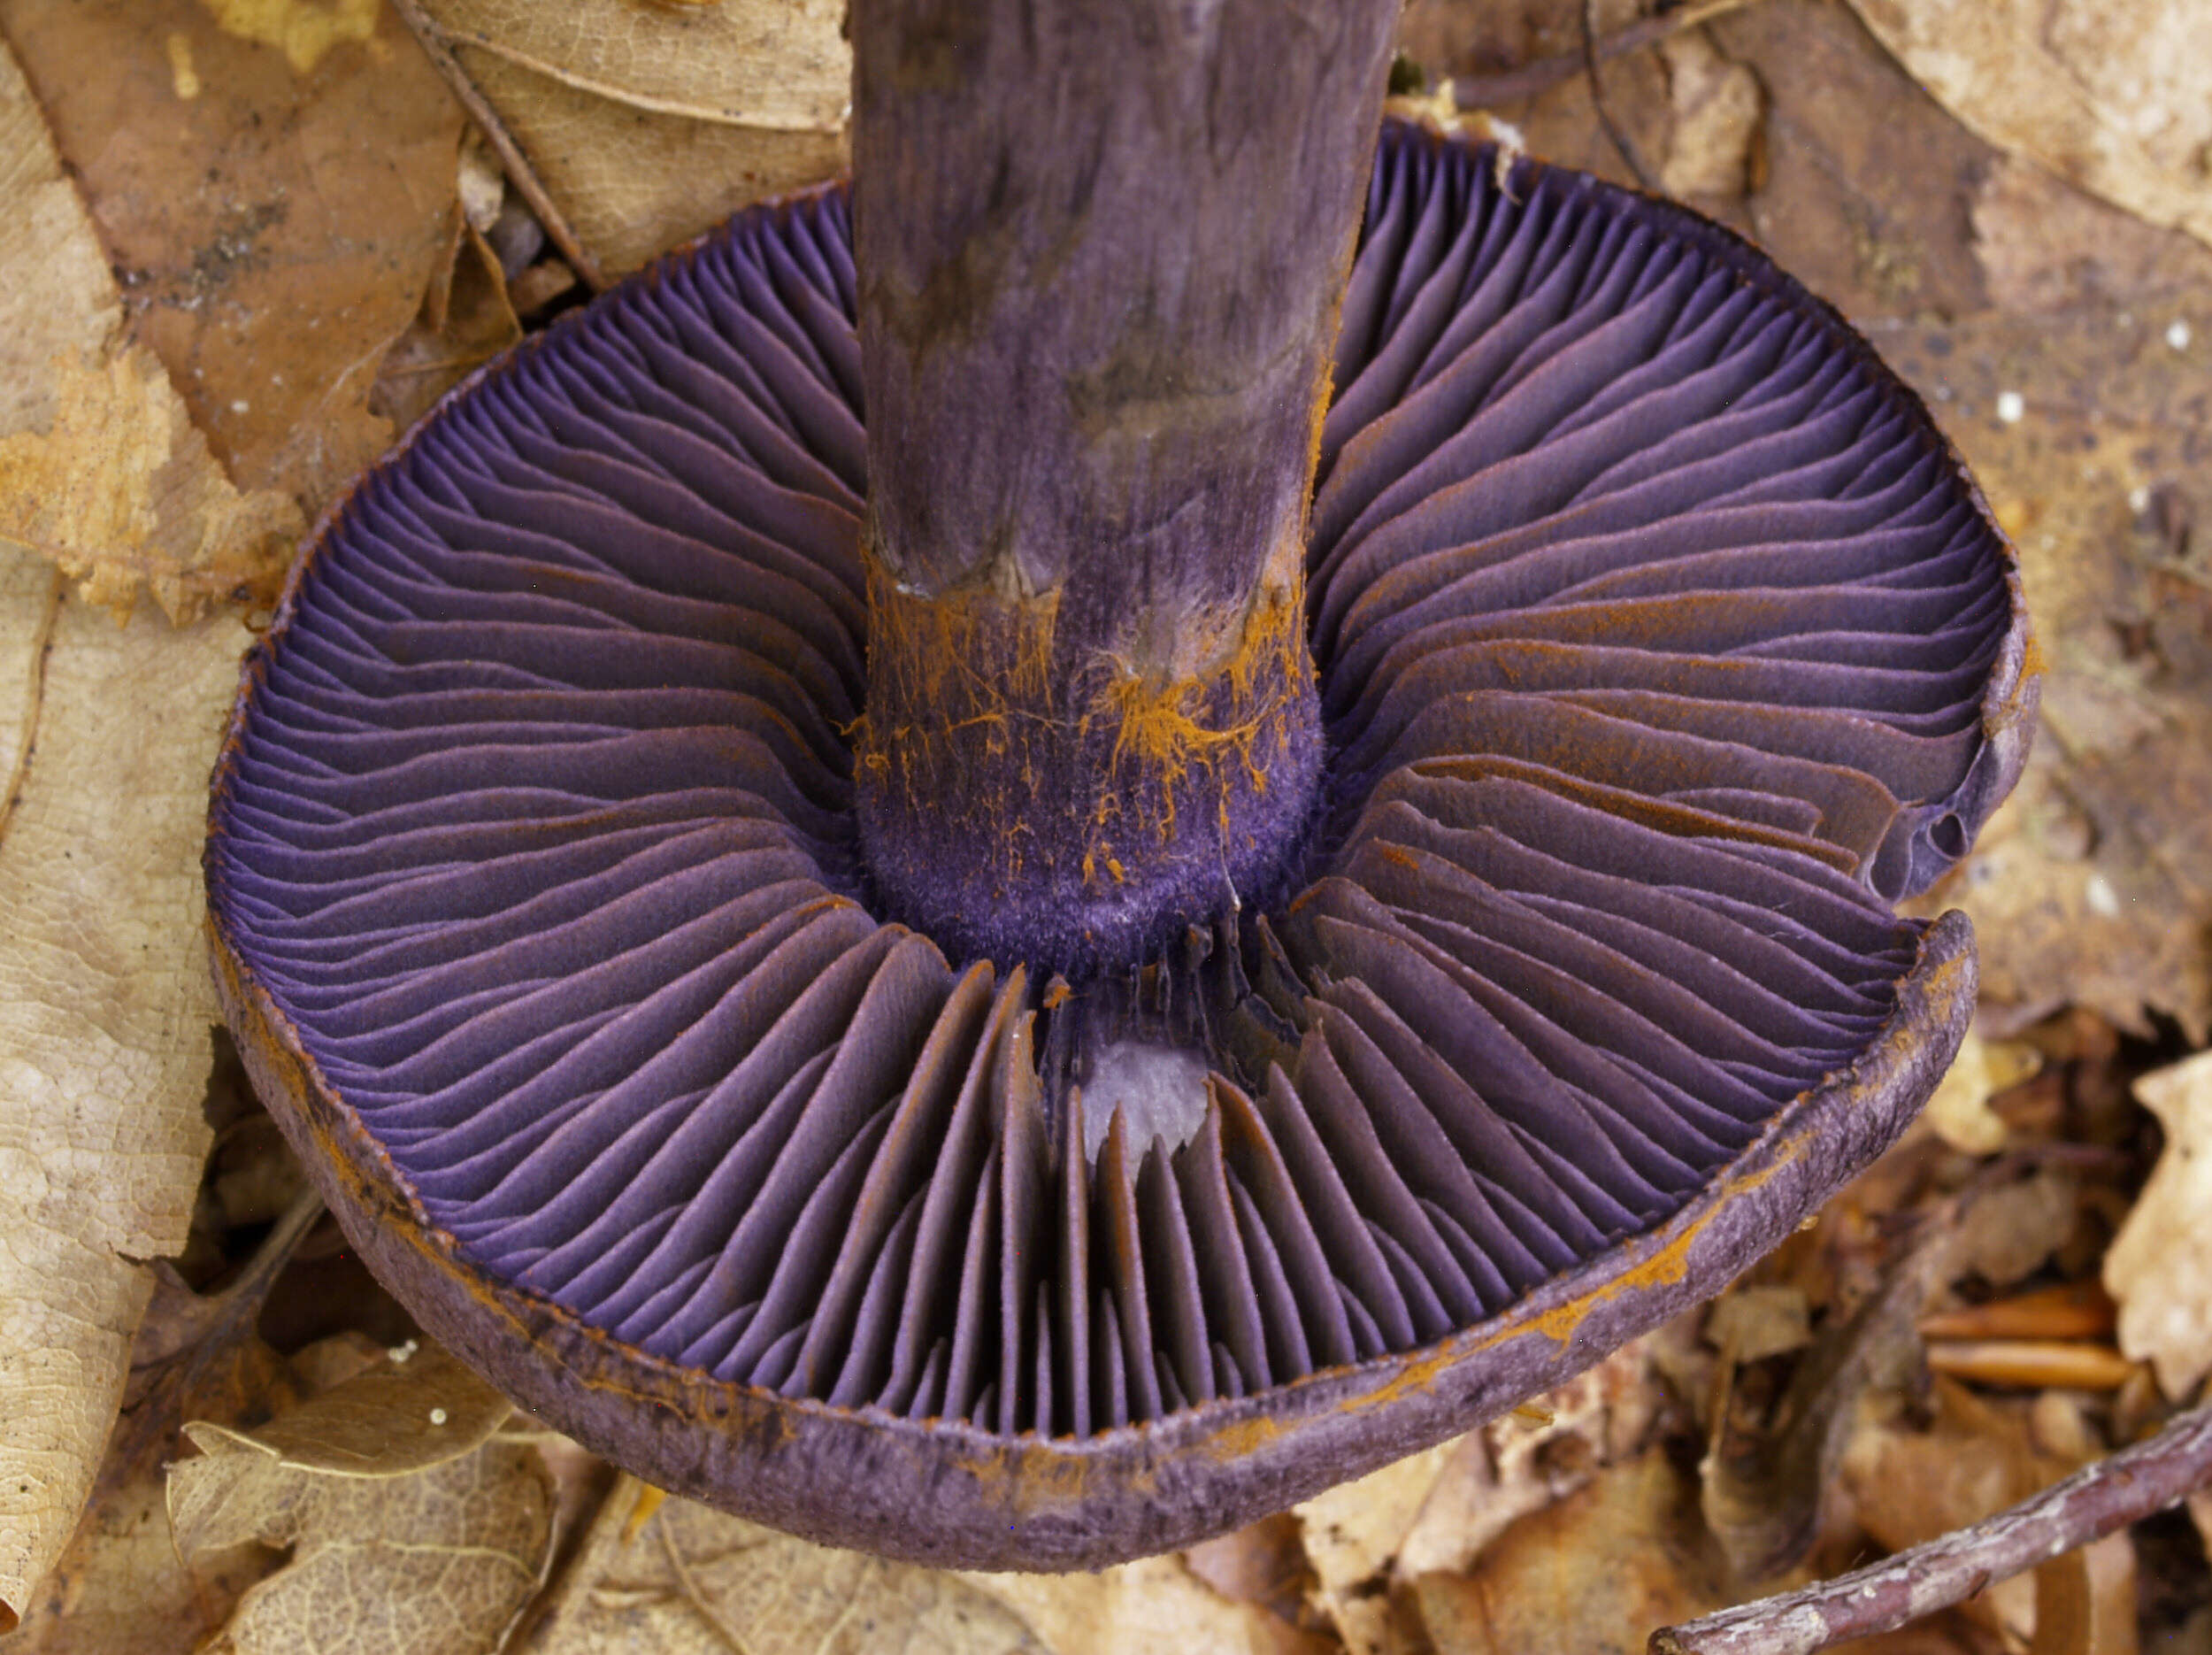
[1913, 1360]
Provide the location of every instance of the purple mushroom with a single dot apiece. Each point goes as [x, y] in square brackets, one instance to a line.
[870, 1012]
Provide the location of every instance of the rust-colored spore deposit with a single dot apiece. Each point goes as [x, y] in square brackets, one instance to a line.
[1661, 645]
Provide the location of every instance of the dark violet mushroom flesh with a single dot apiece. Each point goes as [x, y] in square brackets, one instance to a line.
[576, 896]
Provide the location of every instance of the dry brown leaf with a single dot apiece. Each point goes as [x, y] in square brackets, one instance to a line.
[1263, 1564]
[104, 1036]
[2159, 1269]
[1595, 1573]
[102, 471]
[274, 181]
[435, 1562]
[650, 124]
[1958, 1111]
[2114, 94]
[676, 1578]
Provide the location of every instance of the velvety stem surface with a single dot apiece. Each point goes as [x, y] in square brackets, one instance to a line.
[1101, 249]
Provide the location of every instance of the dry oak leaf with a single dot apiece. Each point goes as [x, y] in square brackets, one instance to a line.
[650, 124]
[2159, 1269]
[102, 471]
[412, 1530]
[2114, 94]
[106, 736]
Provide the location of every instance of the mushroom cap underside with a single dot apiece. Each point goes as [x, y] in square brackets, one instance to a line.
[1662, 643]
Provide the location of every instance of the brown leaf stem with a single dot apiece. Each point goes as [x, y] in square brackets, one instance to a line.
[519, 172]
[2097, 1500]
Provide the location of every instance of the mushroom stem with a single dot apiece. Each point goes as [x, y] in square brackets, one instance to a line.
[1102, 247]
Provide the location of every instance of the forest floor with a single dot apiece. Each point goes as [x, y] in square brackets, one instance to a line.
[248, 243]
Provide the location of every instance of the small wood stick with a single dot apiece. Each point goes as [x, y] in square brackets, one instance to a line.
[516, 164]
[2118, 1490]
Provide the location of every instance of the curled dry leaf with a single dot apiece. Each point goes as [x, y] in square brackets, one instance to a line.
[412, 1530]
[102, 471]
[649, 124]
[274, 182]
[1528, 1459]
[106, 737]
[2159, 1269]
[2111, 94]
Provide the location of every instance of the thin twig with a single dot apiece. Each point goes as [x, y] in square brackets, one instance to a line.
[1530, 80]
[2118, 1490]
[519, 172]
[1622, 145]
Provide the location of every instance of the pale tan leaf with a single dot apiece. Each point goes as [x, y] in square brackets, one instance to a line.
[1717, 105]
[436, 1563]
[649, 125]
[1959, 1111]
[678, 1579]
[2114, 94]
[102, 471]
[2159, 1269]
[119, 488]
[1137, 1608]
[104, 1033]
